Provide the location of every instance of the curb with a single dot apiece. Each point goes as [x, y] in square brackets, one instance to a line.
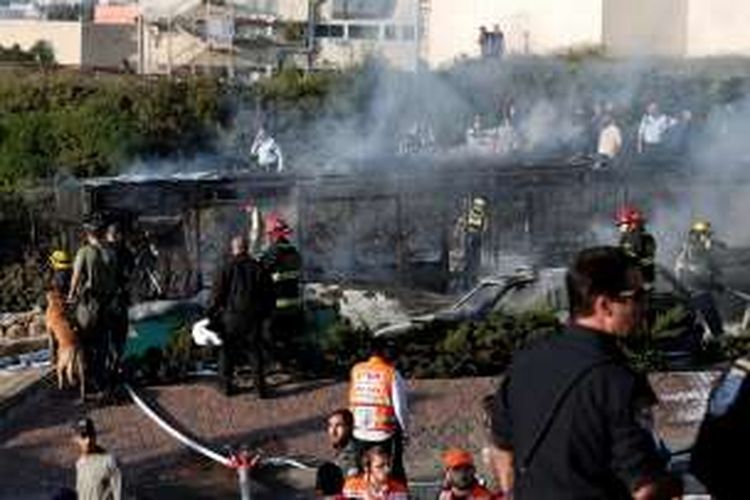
[23, 391]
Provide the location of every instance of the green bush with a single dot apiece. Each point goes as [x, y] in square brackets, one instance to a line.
[90, 126]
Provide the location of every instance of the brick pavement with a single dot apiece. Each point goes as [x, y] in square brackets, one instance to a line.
[35, 436]
[36, 454]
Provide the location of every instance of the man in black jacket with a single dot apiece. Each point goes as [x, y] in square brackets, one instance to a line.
[571, 418]
[242, 298]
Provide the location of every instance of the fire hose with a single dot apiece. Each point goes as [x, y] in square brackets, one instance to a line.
[242, 461]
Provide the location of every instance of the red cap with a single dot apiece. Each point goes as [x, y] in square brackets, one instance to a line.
[456, 457]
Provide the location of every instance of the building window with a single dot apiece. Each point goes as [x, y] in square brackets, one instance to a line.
[363, 9]
[390, 32]
[364, 32]
[408, 32]
[329, 31]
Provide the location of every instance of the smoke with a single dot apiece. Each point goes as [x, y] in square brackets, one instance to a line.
[367, 112]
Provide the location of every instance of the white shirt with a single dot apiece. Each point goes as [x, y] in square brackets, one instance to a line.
[610, 141]
[652, 128]
[268, 152]
[98, 477]
[398, 395]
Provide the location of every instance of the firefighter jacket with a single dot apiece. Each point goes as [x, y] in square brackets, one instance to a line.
[377, 399]
[357, 487]
[284, 263]
[476, 220]
[641, 246]
[696, 267]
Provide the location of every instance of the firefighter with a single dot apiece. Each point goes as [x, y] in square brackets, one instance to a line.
[62, 270]
[460, 477]
[636, 241]
[377, 399]
[475, 225]
[283, 262]
[697, 268]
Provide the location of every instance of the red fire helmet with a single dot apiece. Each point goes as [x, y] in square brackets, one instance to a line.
[629, 215]
[277, 227]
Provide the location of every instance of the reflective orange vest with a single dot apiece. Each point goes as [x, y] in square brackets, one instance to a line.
[357, 487]
[370, 397]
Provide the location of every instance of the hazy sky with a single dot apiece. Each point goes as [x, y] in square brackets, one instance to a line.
[454, 24]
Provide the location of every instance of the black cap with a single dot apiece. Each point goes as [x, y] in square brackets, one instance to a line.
[85, 428]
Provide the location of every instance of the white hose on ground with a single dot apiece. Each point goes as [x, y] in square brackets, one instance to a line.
[199, 448]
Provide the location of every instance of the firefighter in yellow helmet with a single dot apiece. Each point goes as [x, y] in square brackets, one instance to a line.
[696, 267]
[62, 269]
[475, 225]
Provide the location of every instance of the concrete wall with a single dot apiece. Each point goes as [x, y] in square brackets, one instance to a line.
[718, 27]
[64, 37]
[541, 25]
[108, 45]
[159, 46]
[645, 27]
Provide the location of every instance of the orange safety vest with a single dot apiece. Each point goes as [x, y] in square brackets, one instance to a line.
[370, 397]
[357, 487]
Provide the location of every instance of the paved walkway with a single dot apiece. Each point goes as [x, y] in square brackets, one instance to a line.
[37, 456]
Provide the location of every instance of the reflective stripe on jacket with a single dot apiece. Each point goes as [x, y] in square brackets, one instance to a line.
[370, 396]
[476, 220]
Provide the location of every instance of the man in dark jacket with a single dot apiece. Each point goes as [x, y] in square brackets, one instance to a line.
[571, 416]
[123, 263]
[243, 297]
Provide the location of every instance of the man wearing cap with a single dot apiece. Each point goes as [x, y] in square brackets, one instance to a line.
[460, 477]
[97, 473]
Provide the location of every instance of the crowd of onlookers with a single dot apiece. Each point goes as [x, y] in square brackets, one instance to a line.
[598, 132]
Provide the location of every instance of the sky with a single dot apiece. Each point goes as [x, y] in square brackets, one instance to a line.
[454, 25]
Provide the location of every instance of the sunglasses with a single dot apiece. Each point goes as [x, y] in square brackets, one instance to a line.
[636, 295]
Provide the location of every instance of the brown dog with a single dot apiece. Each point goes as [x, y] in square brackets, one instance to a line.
[69, 363]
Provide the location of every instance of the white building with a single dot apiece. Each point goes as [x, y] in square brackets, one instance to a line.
[677, 28]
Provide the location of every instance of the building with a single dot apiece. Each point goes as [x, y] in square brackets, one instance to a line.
[259, 36]
[676, 28]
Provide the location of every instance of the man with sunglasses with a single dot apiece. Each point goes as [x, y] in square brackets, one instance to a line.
[572, 419]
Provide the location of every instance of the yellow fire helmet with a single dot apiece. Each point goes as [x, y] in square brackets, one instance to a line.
[701, 227]
[60, 260]
[479, 202]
